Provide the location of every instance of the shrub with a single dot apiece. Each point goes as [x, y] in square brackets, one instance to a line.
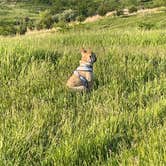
[92, 11]
[80, 18]
[23, 23]
[61, 26]
[119, 12]
[7, 30]
[132, 9]
[145, 25]
[55, 18]
[22, 29]
[39, 26]
[19, 26]
[46, 21]
[67, 16]
[102, 10]
[31, 25]
[159, 2]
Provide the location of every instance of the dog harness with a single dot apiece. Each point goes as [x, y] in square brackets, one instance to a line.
[83, 67]
[88, 67]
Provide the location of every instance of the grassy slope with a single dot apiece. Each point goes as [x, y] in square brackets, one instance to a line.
[121, 122]
[11, 11]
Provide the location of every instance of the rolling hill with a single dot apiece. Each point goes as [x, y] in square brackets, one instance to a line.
[121, 122]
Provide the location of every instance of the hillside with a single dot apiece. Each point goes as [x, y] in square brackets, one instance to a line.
[11, 13]
[121, 122]
[16, 17]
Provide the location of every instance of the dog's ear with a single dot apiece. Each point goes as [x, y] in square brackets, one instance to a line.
[89, 50]
[82, 50]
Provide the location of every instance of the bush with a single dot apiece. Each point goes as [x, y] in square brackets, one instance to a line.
[55, 18]
[80, 18]
[92, 11]
[22, 29]
[133, 9]
[46, 20]
[146, 26]
[119, 12]
[39, 26]
[19, 26]
[31, 25]
[62, 26]
[7, 30]
[23, 23]
[159, 2]
[67, 16]
[102, 10]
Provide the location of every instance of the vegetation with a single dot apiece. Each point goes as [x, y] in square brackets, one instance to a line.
[133, 9]
[17, 17]
[121, 122]
[43, 14]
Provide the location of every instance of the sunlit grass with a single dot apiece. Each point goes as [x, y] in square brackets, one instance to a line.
[122, 121]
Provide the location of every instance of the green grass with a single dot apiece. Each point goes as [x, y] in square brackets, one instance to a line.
[121, 122]
[127, 22]
[12, 11]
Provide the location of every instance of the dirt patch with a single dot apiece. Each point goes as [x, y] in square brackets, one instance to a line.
[126, 12]
[109, 14]
[148, 11]
[93, 18]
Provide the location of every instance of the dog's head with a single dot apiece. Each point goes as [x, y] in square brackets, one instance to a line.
[88, 56]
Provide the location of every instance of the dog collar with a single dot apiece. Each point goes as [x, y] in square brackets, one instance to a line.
[85, 67]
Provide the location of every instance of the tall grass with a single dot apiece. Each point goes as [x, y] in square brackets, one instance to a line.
[121, 122]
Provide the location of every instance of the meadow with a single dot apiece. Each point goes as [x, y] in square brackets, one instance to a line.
[121, 122]
[11, 13]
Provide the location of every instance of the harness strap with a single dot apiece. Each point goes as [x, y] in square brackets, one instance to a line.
[84, 68]
[83, 79]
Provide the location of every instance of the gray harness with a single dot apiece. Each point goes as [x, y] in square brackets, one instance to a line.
[83, 67]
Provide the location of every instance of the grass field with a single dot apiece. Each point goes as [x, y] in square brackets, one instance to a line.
[9, 11]
[121, 122]
[12, 12]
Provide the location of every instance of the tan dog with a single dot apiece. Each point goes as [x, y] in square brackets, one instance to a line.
[82, 78]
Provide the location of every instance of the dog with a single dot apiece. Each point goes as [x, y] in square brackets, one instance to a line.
[82, 78]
